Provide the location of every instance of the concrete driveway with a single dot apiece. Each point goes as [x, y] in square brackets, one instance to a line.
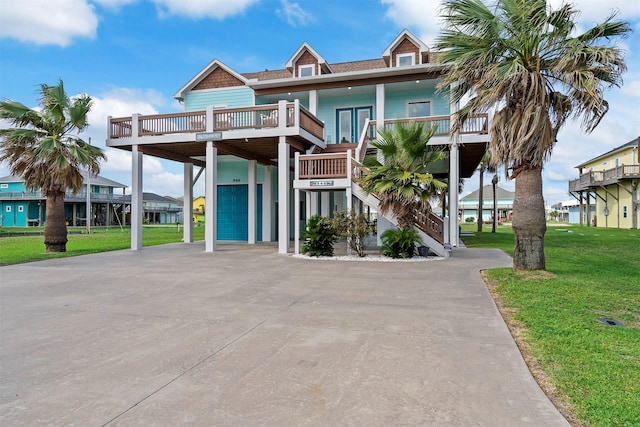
[173, 336]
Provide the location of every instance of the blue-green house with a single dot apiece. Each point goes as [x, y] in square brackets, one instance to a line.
[22, 207]
[280, 145]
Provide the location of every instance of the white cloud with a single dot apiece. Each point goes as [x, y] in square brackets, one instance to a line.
[422, 15]
[293, 14]
[47, 22]
[217, 9]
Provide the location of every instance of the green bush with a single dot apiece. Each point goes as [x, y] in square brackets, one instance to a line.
[400, 243]
[354, 228]
[320, 236]
[470, 219]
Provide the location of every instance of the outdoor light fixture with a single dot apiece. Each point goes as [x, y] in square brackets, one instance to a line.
[605, 211]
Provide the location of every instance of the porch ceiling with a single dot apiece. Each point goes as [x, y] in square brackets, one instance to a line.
[263, 150]
[470, 156]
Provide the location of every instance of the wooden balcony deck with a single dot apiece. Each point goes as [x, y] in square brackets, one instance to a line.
[251, 132]
[610, 176]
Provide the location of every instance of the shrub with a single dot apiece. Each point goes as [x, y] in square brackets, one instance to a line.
[470, 219]
[320, 235]
[400, 243]
[353, 227]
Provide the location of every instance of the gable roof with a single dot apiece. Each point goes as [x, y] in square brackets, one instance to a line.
[487, 194]
[623, 147]
[422, 47]
[179, 95]
[298, 53]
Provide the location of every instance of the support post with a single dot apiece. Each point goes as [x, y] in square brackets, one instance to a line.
[454, 177]
[136, 197]
[283, 193]
[266, 205]
[252, 202]
[187, 206]
[296, 219]
[211, 196]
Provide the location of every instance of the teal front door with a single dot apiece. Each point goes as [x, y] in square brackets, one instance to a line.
[233, 212]
[349, 123]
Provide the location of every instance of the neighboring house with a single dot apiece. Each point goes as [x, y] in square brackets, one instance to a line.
[610, 183]
[159, 209]
[281, 145]
[573, 207]
[22, 207]
[199, 209]
[469, 204]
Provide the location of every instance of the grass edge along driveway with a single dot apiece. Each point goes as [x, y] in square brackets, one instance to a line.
[591, 273]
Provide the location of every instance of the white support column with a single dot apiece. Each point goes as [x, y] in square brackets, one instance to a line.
[313, 102]
[349, 209]
[312, 204]
[211, 195]
[136, 198]
[252, 202]
[266, 205]
[296, 221]
[187, 206]
[283, 195]
[454, 177]
[325, 200]
[379, 106]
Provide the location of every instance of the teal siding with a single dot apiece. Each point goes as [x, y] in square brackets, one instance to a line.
[396, 102]
[236, 97]
[235, 170]
[12, 187]
[327, 107]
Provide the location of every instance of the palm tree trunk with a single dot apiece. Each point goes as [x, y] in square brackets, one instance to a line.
[529, 225]
[55, 227]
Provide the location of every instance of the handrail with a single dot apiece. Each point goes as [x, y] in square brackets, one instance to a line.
[476, 124]
[254, 117]
[607, 176]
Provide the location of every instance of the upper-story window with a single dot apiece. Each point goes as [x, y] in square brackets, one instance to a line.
[306, 70]
[405, 59]
[420, 108]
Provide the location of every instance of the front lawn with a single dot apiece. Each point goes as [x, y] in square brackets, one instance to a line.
[591, 273]
[25, 248]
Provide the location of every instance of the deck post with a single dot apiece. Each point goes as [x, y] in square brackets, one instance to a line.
[283, 190]
[296, 220]
[187, 206]
[252, 200]
[211, 197]
[266, 205]
[136, 197]
[454, 177]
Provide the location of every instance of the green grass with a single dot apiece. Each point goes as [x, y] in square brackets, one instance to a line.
[25, 248]
[595, 273]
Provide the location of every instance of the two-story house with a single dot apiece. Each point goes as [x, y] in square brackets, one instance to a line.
[21, 207]
[280, 145]
[610, 182]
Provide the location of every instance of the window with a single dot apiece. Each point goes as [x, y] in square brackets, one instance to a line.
[617, 161]
[418, 108]
[405, 59]
[20, 208]
[350, 123]
[8, 209]
[624, 212]
[306, 70]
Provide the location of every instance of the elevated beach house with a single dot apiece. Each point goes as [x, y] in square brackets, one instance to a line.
[22, 207]
[280, 145]
[610, 183]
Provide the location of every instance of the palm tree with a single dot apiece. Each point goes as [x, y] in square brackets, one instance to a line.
[523, 58]
[44, 150]
[401, 180]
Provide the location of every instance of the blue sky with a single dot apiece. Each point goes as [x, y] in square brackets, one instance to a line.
[131, 56]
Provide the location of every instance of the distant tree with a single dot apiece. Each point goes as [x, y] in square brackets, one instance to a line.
[44, 150]
[529, 62]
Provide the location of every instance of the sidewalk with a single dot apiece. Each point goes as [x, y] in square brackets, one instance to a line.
[171, 335]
